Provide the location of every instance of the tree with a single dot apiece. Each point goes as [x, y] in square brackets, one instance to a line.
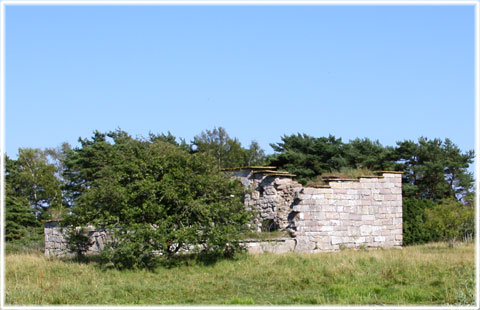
[434, 169]
[33, 178]
[20, 221]
[368, 154]
[254, 155]
[157, 199]
[308, 156]
[228, 152]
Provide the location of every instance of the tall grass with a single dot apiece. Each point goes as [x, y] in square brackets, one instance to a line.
[427, 274]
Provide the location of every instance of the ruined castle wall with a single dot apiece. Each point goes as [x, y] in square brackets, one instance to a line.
[346, 213]
[367, 212]
[56, 240]
[271, 197]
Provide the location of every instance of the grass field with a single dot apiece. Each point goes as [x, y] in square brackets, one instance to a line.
[427, 274]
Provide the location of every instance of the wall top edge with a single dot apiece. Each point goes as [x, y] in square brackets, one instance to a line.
[249, 168]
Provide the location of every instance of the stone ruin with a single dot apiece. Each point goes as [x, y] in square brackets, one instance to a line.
[344, 213]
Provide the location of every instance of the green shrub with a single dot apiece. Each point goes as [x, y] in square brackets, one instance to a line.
[157, 199]
[451, 221]
[414, 218]
[78, 241]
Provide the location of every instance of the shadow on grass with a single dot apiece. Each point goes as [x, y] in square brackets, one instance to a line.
[175, 261]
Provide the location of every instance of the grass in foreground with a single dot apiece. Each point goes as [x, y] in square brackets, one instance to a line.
[428, 274]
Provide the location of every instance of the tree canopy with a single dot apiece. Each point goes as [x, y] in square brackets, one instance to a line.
[227, 151]
[171, 199]
[433, 169]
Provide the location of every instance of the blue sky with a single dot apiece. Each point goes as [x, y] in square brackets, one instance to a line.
[383, 72]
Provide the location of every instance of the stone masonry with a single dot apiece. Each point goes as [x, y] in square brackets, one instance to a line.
[351, 213]
[345, 213]
[56, 240]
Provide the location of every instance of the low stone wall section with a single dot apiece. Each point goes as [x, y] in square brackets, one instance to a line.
[56, 243]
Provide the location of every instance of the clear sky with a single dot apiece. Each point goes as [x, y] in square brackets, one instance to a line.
[383, 72]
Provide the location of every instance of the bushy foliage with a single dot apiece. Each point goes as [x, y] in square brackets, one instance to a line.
[20, 222]
[78, 241]
[308, 156]
[157, 198]
[227, 151]
[434, 169]
[415, 230]
[451, 221]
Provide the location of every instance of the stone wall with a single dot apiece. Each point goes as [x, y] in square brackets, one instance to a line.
[271, 196]
[350, 213]
[56, 240]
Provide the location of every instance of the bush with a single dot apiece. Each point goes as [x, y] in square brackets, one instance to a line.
[78, 241]
[157, 199]
[414, 218]
[451, 221]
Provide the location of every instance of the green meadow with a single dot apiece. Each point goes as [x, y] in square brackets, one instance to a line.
[415, 275]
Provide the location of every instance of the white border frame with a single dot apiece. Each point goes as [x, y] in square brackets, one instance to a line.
[474, 3]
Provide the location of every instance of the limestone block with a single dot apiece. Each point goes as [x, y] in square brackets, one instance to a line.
[331, 215]
[320, 202]
[304, 245]
[368, 217]
[383, 222]
[366, 202]
[366, 180]
[385, 191]
[389, 238]
[304, 196]
[328, 208]
[354, 202]
[339, 191]
[364, 210]
[327, 228]
[348, 239]
[396, 190]
[337, 240]
[397, 221]
[365, 230]
[308, 201]
[301, 208]
[354, 216]
[353, 230]
[308, 190]
[359, 240]
[332, 201]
